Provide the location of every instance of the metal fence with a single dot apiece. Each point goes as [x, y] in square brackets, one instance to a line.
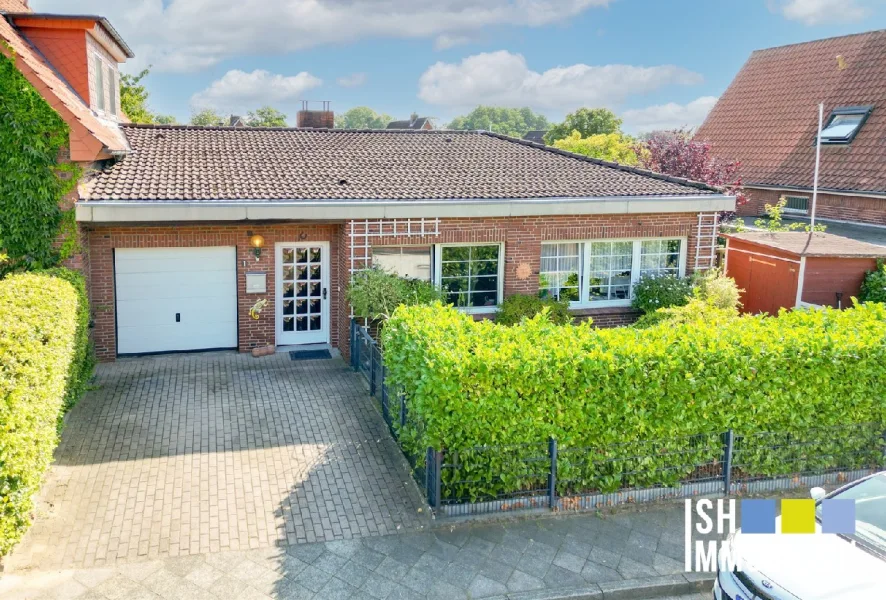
[551, 476]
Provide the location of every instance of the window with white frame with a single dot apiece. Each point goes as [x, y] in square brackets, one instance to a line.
[603, 272]
[409, 262]
[112, 91]
[470, 276]
[99, 67]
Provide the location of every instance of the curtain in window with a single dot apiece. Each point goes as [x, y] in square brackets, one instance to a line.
[560, 276]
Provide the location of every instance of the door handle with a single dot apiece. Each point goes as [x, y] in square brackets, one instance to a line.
[324, 293]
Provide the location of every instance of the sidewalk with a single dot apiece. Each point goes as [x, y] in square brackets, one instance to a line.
[572, 556]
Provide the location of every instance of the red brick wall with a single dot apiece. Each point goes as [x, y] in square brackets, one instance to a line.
[830, 206]
[523, 237]
[252, 333]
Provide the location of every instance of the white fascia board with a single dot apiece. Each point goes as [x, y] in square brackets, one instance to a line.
[107, 211]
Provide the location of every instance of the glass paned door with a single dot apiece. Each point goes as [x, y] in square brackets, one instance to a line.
[302, 293]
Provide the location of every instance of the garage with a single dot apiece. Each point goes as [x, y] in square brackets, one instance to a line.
[175, 299]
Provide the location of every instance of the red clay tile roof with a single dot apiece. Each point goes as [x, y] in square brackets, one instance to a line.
[89, 136]
[768, 117]
[14, 6]
[811, 244]
[226, 163]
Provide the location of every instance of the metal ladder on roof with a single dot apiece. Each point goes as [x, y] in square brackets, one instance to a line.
[706, 241]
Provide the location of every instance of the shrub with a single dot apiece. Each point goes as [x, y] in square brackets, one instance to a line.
[472, 384]
[873, 288]
[718, 290]
[38, 327]
[519, 306]
[661, 291]
[375, 293]
[83, 362]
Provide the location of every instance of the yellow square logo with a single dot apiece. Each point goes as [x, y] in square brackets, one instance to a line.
[798, 516]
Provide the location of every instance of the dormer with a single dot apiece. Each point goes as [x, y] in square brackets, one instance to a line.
[85, 50]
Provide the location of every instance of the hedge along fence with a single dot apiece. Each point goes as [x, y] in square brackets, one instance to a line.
[38, 344]
[474, 384]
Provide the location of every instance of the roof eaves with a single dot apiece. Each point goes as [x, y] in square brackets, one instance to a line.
[605, 163]
[103, 21]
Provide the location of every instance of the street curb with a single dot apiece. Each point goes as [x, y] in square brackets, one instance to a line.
[629, 589]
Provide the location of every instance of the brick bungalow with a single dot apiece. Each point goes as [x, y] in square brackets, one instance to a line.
[768, 118]
[227, 237]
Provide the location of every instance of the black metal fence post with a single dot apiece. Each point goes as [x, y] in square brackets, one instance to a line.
[433, 479]
[402, 398]
[552, 478]
[438, 484]
[728, 443]
[372, 363]
[355, 355]
[353, 341]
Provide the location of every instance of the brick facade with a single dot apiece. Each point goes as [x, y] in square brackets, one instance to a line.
[522, 239]
[857, 209]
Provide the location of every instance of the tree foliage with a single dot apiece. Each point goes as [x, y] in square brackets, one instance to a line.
[165, 120]
[266, 116]
[207, 117]
[32, 182]
[613, 147]
[134, 97]
[362, 117]
[507, 121]
[676, 153]
[773, 222]
[587, 121]
[375, 293]
[873, 288]
[518, 307]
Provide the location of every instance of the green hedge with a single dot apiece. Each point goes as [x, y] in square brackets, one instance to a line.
[38, 330]
[472, 383]
[83, 362]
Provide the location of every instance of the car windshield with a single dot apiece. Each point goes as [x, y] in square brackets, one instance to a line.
[870, 511]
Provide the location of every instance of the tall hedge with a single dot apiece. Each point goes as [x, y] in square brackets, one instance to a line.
[472, 383]
[38, 330]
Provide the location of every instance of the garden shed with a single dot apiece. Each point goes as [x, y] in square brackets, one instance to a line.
[795, 268]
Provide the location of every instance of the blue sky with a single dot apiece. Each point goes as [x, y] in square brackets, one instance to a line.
[656, 63]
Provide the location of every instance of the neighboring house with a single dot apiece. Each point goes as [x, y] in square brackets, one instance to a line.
[536, 135]
[189, 232]
[237, 121]
[768, 119]
[794, 268]
[72, 61]
[414, 122]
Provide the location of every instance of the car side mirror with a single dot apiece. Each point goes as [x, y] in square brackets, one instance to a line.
[817, 493]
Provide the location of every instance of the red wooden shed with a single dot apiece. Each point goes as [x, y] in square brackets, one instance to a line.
[791, 269]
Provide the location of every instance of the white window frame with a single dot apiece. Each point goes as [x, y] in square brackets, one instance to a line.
[113, 90]
[98, 65]
[106, 77]
[438, 274]
[584, 268]
[796, 211]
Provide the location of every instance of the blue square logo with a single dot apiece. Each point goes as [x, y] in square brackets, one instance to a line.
[758, 516]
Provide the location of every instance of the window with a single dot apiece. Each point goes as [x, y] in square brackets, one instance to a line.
[603, 272]
[411, 262]
[112, 91]
[844, 123]
[796, 204]
[470, 276]
[560, 275]
[99, 83]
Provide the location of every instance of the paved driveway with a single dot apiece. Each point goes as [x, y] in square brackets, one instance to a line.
[197, 453]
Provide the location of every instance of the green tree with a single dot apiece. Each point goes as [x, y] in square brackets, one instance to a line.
[773, 221]
[266, 116]
[507, 121]
[134, 98]
[207, 118]
[165, 120]
[605, 146]
[362, 117]
[587, 121]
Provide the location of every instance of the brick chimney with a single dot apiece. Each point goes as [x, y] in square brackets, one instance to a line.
[317, 119]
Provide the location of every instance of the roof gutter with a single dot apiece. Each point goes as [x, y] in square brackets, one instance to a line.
[808, 190]
[122, 211]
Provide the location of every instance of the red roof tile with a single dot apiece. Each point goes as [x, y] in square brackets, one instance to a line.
[768, 117]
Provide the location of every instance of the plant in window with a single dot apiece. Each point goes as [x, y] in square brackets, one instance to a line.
[375, 293]
[519, 306]
[656, 291]
[873, 288]
[773, 221]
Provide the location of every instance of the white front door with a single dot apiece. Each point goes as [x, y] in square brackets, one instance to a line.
[302, 293]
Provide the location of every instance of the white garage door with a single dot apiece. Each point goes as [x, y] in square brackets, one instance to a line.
[171, 299]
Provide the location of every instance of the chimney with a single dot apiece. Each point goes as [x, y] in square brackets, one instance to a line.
[317, 119]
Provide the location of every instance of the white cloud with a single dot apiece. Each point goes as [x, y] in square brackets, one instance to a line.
[504, 79]
[817, 12]
[238, 91]
[352, 80]
[445, 41]
[187, 35]
[668, 116]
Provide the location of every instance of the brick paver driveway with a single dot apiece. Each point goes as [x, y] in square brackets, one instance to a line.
[187, 454]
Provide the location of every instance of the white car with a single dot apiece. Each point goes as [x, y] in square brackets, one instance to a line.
[814, 566]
